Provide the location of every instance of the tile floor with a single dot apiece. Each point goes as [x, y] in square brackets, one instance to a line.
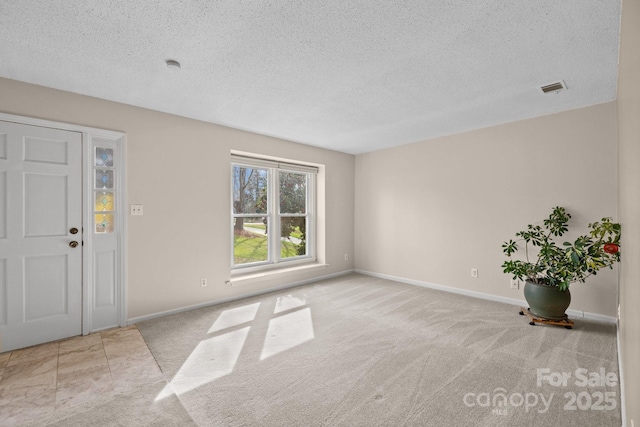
[52, 377]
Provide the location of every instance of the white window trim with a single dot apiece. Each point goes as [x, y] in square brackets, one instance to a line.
[274, 166]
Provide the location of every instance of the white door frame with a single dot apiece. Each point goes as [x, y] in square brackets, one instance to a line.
[89, 274]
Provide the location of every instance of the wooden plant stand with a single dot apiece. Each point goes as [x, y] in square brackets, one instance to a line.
[566, 322]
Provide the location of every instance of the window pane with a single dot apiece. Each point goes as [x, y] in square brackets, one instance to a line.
[104, 201]
[104, 178]
[104, 157]
[250, 242]
[293, 193]
[104, 223]
[250, 187]
[293, 237]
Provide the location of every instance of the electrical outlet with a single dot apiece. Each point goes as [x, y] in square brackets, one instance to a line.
[203, 282]
[346, 257]
[515, 284]
[474, 272]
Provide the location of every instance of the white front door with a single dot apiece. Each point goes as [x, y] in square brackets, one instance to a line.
[40, 235]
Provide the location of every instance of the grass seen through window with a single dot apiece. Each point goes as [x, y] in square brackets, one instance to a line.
[251, 246]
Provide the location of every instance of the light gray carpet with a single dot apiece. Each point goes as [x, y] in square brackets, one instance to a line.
[362, 351]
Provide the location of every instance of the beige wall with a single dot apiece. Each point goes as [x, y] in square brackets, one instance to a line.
[431, 211]
[629, 199]
[179, 169]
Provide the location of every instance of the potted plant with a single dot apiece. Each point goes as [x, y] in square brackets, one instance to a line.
[548, 269]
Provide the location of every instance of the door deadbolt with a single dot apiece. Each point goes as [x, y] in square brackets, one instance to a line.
[73, 244]
[73, 231]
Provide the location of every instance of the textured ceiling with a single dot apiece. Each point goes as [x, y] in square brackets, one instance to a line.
[352, 76]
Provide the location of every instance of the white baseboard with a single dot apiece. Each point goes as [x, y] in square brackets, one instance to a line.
[481, 295]
[134, 320]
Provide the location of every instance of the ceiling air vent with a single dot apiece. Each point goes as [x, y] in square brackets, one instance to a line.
[554, 87]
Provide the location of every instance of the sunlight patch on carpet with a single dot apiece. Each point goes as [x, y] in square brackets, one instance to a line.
[288, 331]
[213, 358]
[289, 302]
[235, 316]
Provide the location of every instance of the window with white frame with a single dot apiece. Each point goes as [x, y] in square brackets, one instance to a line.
[272, 212]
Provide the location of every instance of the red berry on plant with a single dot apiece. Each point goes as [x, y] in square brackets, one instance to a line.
[611, 248]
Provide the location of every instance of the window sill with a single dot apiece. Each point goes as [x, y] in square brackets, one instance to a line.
[256, 277]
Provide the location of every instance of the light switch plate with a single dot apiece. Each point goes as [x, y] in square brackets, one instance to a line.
[136, 209]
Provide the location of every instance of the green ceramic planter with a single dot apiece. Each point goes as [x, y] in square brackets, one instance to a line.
[547, 302]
